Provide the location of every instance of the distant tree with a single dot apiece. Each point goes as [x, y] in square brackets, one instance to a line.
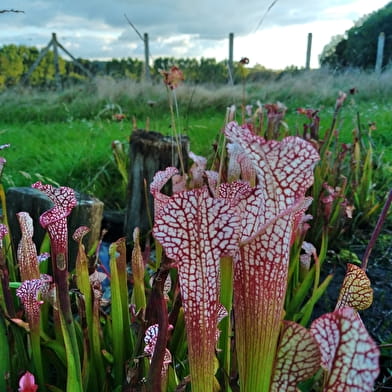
[328, 55]
[134, 69]
[205, 70]
[44, 74]
[259, 72]
[213, 71]
[358, 47]
[12, 64]
[15, 61]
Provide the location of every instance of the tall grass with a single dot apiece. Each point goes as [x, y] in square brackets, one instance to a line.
[321, 86]
[305, 88]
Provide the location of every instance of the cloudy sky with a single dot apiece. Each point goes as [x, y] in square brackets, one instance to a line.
[270, 33]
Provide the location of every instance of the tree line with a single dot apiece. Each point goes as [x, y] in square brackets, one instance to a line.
[356, 48]
[15, 62]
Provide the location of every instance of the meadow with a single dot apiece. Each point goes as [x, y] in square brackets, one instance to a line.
[65, 137]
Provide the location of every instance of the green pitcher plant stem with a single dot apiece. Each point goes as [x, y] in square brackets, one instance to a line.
[91, 296]
[225, 338]
[117, 319]
[122, 342]
[74, 379]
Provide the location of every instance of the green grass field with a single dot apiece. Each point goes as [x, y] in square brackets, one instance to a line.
[65, 138]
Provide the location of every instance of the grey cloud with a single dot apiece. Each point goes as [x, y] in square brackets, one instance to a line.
[204, 19]
[186, 17]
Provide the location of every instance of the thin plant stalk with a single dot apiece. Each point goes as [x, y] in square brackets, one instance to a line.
[83, 283]
[35, 340]
[175, 133]
[376, 231]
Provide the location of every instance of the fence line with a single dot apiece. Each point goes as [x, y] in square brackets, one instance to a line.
[54, 44]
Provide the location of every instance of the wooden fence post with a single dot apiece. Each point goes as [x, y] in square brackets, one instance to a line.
[56, 62]
[55, 44]
[380, 53]
[37, 61]
[230, 63]
[149, 152]
[147, 59]
[308, 51]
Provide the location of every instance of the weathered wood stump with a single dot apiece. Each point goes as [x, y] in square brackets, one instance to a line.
[88, 212]
[149, 152]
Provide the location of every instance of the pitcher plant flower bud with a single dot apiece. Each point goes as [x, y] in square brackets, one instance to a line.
[27, 383]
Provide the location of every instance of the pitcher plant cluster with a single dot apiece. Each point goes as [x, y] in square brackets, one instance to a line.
[221, 299]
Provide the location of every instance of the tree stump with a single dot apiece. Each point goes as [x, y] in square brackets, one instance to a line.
[88, 212]
[149, 152]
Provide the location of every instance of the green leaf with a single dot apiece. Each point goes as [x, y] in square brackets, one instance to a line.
[122, 340]
[74, 382]
[5, 366]
[308, 307]
[58, 349]
[178, 343]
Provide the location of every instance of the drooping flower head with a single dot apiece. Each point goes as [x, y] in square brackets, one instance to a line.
[173, 77]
